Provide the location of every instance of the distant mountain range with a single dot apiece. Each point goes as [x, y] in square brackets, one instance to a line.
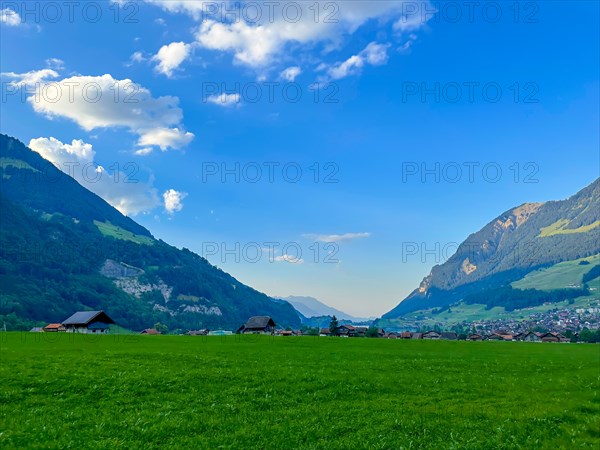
[311, 307]
[524, 239]
[64, 249]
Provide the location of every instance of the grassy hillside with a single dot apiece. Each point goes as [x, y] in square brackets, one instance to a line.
[110, 230]
[262, 392]
[558, 276]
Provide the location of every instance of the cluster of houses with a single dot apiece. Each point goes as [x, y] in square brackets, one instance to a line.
[529, 336]
[86, 322]
[266, 325]
[98, 322]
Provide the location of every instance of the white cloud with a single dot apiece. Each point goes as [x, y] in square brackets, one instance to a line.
[105, 102]
[143, 151]
[58, 153]
[225, 100]
[173, 200]
[290, 74]
[55, 63]
[337, 237]
[419, 14]
[165, 138]
[10, 17]
[170, 57]
[136, 57]
[260, 43]
[129, 195]
[30, 79]
[289, 259]
[191, 7]
[373, 54]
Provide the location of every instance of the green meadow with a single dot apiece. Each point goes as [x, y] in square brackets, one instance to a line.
[134, 392]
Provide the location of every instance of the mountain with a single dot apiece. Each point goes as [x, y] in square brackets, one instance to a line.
[529, 237]
[311, 307]
[63, 249]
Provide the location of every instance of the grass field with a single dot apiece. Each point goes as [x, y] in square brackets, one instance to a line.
[558, 276]
[66, 391]
[108, 229]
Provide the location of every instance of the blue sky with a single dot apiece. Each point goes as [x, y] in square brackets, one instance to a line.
[186, 93]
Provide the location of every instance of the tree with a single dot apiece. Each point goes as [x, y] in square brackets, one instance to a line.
[372, 332]
[333, 326]
[163, 329]
[589, 336]
[311, 331]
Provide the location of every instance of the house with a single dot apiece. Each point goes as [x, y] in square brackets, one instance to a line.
[88, 322]
[416, 336]
[449, 336]
[431, 335]
[391, 335]
[475, 337]
[529, 336]
[405, 335]
[554, 337]
[285, 333]
[55, 328]
[360, 331]
[346, 330]
[152, 331]
[258, 325]
[500, 337]
[197, 332]
[324, 332]
[36, 330]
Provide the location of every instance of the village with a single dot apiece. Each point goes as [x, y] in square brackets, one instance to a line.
[99, 322]
[569, 321]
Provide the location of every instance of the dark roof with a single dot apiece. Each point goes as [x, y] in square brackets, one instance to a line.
[258, 322]
[431, 332]
[449, 335]
[87, 317]
[150, 331]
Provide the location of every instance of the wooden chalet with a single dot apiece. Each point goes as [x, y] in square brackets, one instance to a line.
[150, 331]
[55, 328]
[88, 322]
[529, 336]
[258, 325]
[431, 335]
[346, 330]
[474, 337]
[554, 337]
[449, 336]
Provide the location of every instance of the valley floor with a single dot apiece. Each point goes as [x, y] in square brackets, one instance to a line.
[61, 391]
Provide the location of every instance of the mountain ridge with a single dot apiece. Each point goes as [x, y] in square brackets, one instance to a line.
[57, 237]
[310, 307]
[518, 241]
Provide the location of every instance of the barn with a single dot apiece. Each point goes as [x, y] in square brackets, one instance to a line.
[88, 322]
[258, 325]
